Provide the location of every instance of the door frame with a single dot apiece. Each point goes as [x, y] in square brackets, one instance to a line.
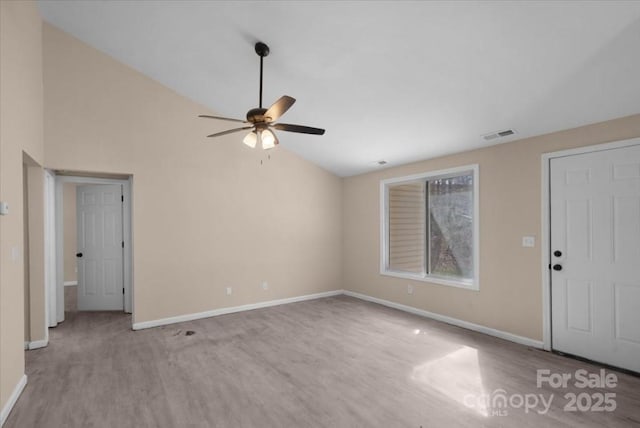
[127, 265]
[50, 248]
[545, 245]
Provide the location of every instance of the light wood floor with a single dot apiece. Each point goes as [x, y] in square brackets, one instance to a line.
[334, 362]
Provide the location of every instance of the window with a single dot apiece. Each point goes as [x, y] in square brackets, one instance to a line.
[430, 227]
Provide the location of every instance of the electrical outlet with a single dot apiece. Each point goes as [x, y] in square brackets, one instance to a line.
[409, 289]
[229, 291]
[265, 285]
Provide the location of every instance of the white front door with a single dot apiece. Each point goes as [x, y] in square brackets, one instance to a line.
[595, 256]
[100, 247]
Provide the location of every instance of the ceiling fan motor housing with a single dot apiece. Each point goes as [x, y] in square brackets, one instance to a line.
[256, 115]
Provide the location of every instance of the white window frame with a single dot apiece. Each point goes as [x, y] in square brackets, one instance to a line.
[474, 284]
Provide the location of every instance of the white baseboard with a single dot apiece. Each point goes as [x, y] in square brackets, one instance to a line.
[449, 320]
[70, 283]
[233, 309]
[442, 318]
[12, 399]
[37, 344]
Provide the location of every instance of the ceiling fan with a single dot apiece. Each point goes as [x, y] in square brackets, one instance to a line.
[261, 120]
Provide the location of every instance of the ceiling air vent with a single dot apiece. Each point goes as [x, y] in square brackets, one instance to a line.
[499, 134]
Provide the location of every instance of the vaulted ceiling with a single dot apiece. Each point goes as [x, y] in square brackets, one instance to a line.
[389, 80]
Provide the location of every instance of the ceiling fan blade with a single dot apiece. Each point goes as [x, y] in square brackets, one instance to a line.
[223, 118]
[279, 108]
[298, 128]
[230, 131]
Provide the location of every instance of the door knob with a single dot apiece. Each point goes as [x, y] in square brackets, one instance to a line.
[78, 254]
[557, 253]
[557, 267]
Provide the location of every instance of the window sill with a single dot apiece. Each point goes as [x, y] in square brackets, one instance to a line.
[468, 285]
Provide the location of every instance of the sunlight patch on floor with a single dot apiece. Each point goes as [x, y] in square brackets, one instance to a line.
[456, 376]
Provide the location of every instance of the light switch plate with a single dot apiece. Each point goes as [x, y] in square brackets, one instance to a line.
[528, 241]
[4, 208]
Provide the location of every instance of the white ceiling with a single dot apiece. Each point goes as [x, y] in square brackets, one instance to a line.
[399, 81]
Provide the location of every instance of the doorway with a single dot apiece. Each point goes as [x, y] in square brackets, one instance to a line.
[99, 272]
[593, 253]
[35, 305]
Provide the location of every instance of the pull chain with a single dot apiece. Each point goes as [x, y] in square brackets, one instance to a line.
[268, 158]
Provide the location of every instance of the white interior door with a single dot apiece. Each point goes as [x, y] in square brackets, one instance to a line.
[100, 247]
[595, 256]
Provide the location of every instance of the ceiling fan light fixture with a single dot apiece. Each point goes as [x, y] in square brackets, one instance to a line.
[269, 139]
[251, 139]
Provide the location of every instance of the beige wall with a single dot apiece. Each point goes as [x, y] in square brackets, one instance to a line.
[510, 296]
[206, 213]
[20, 130]
[70, 231]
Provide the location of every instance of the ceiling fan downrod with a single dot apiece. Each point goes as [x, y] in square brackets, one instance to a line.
[262, 50]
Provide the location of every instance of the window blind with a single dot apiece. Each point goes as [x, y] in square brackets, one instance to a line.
[407, 224]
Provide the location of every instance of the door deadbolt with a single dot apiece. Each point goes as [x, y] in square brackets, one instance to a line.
[557, 253]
